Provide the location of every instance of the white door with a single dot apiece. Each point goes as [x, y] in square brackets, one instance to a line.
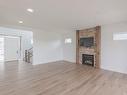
[11, 48]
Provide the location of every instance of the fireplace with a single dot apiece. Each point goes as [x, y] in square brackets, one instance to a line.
[88, 59]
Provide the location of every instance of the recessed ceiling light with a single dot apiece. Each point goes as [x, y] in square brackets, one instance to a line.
[20, 22]
[30, 10]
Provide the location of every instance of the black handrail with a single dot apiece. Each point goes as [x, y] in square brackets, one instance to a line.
[29, 55]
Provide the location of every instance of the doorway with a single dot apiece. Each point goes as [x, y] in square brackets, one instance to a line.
[10, 48]
[12, 51]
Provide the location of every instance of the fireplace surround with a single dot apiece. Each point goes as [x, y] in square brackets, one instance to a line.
[88, 46]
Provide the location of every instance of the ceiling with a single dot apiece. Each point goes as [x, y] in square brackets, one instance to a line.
[65, 14]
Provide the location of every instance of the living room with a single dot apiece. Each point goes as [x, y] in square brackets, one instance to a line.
[78, 47]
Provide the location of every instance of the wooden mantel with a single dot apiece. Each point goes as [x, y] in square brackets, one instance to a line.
[91, 32]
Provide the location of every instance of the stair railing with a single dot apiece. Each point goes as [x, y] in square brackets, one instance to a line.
[29, 55]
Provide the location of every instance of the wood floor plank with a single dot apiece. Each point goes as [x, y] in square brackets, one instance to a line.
[59, 78]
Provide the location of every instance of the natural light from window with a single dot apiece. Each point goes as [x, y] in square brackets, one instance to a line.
[120, 36]
[68, 40]
[1, 48]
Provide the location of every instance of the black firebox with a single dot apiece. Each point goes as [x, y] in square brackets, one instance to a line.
[88, 59]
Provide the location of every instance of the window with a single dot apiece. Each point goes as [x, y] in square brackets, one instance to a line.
[120, 36]
[68, 40]
[31, 41]
[1, 48]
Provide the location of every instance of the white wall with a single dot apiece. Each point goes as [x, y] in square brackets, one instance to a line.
[47, 43]
[114, 53]
[47, 46]
[26, 37]
[69, 49]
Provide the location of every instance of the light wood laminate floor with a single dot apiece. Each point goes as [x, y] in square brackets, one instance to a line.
[59, 78]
